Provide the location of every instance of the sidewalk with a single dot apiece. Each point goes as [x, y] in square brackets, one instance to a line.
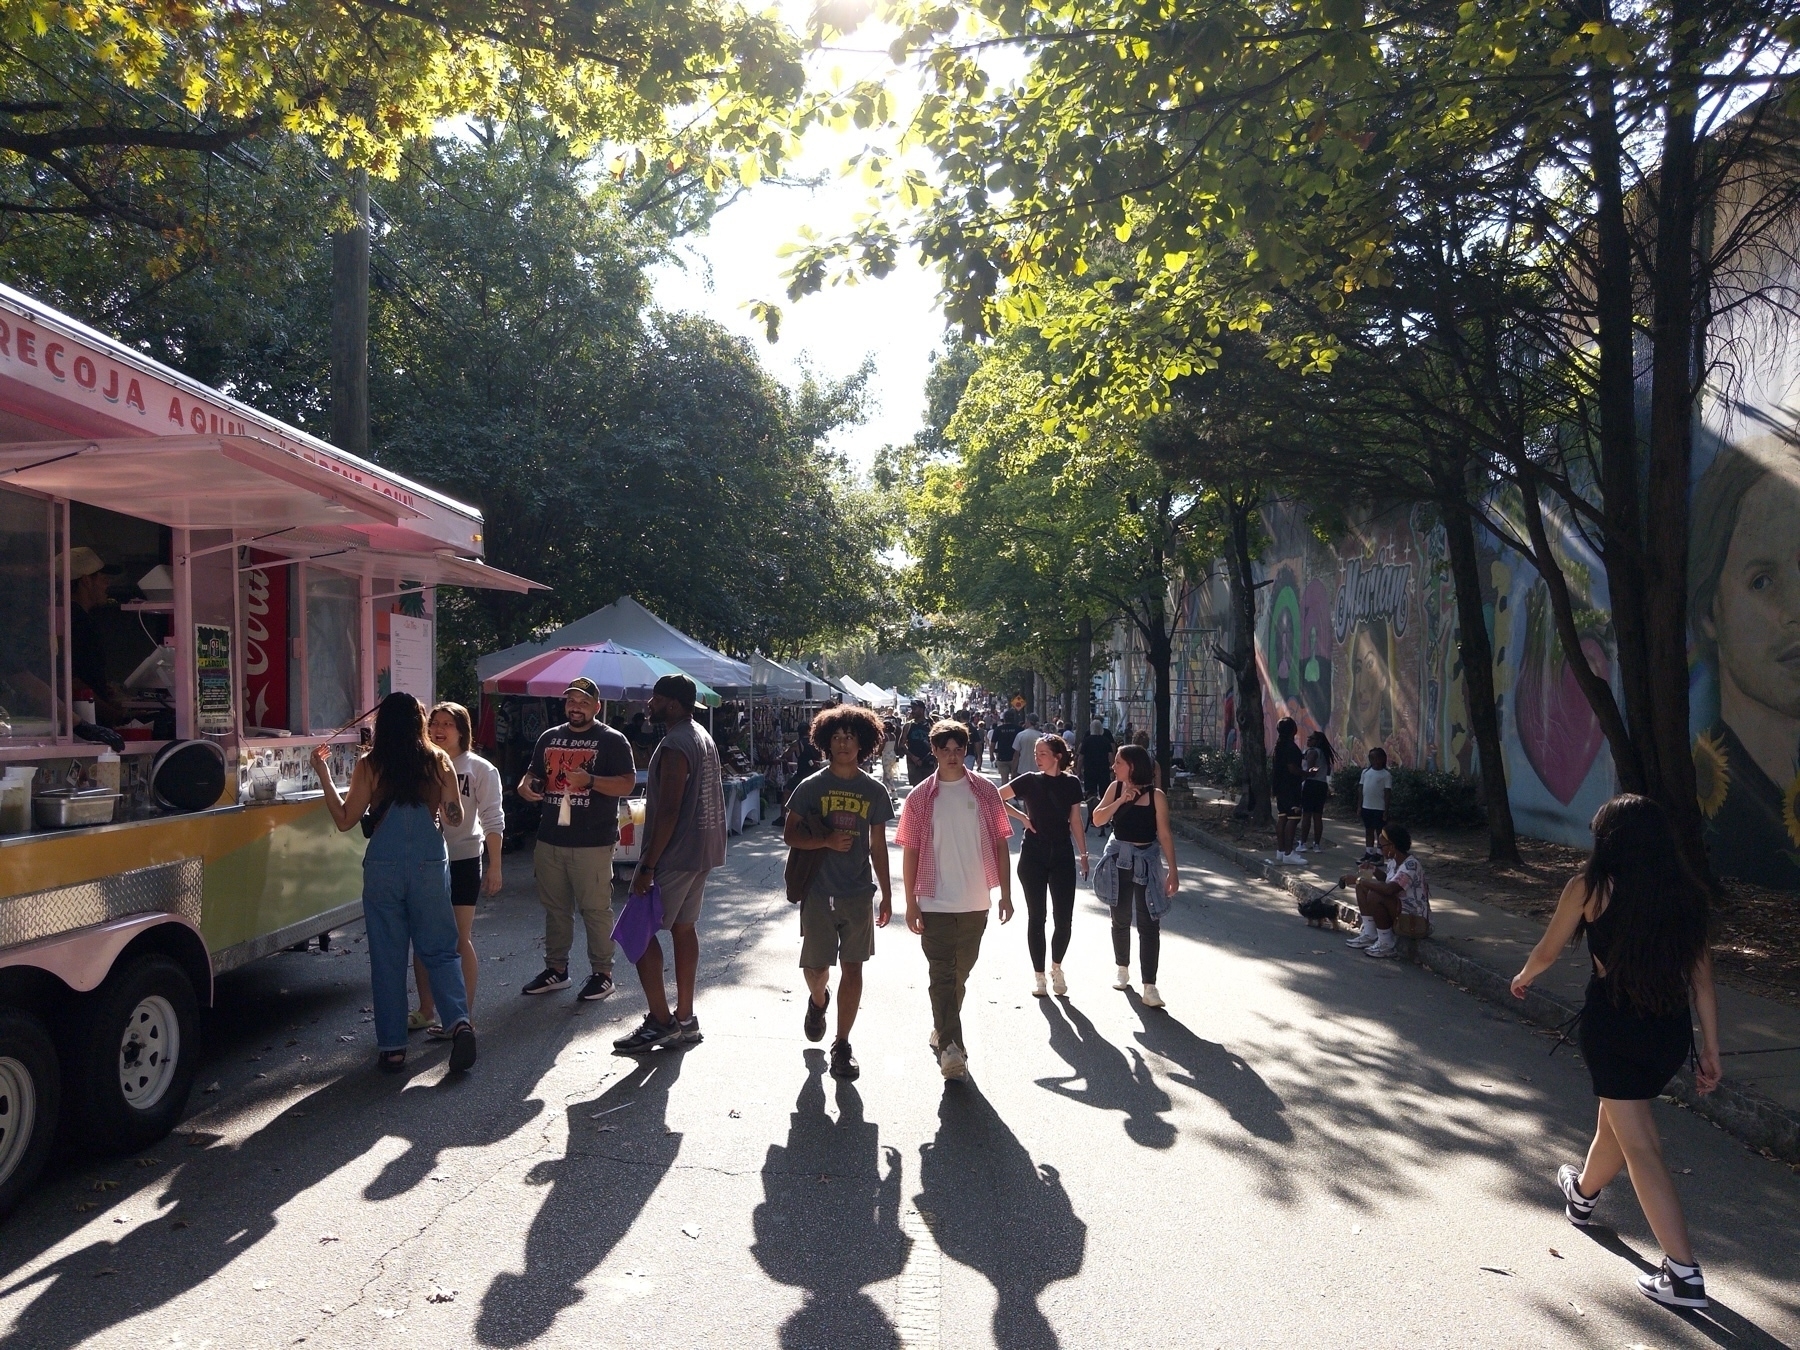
[1479, 947]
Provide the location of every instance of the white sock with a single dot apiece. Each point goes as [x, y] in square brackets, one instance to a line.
[1368, 926]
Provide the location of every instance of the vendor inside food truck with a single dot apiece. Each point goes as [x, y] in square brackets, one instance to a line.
[90, 579]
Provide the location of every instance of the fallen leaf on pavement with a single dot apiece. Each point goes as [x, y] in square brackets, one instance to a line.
[179, 1223]
[104, 1270]
[261, 1285]
[83, 1206]
[327, 1237]
[149, 1162]
[293, 1042]
[735, 1114]
[347, 1039]
[1498, 1270]
[441, 1296]
[607, 1129]
[104, 1185]
[1684, 1171]
[691, 1229]
[210, 1087]
[1558, 1255]
[1577, 1307]
[201, 1138]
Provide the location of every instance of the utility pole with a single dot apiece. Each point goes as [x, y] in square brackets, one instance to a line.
[350, 324]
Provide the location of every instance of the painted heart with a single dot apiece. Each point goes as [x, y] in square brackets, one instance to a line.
[1557, 728]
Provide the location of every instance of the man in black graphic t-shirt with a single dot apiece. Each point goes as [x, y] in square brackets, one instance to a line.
[579, 770]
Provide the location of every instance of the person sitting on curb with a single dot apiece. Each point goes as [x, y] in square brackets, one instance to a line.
[1382, 901]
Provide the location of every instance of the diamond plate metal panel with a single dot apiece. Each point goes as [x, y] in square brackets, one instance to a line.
[172, 888]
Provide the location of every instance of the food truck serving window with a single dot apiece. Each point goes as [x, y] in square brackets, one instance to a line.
[333, 623]
[27, 659]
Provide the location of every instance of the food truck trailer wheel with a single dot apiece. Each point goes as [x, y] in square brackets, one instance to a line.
[30, 1099]
[134, 1055]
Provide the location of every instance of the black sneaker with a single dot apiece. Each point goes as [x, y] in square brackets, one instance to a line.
[1579, 1207]
[547, 983]
[690, 1031]
[598, 986]
[649, 1035]
[815, 1017]
[1677, 1288]
[843, 1063]
[462, 1048]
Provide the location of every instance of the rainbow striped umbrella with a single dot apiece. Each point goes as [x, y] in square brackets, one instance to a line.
[619, 672]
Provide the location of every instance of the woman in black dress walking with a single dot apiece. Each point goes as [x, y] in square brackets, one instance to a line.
[1645, 921]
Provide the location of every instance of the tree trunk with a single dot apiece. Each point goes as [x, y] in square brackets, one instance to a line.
[1476, 649]
[1159, 651]
[1673, 380]
[1084, 677]
[1622, 533]
[350, 324]
[1251, 747]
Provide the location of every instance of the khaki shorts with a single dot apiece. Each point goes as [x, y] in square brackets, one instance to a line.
[836, 929]
[681, 896]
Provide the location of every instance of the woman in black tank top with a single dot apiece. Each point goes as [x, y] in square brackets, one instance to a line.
[1139, 815]
[1645, 921]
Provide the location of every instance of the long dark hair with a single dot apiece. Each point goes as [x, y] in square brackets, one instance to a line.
[403, 761]
[1659, 911]
[1143, 768]
[1322, 743]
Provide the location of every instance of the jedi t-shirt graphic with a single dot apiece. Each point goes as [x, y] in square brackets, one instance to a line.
[593, 816]
[854, 804]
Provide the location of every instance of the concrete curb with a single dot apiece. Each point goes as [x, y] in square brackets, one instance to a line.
[1764, 1125]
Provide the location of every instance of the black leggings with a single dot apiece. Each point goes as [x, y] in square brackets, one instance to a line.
[1131, 901]
[1042, 869]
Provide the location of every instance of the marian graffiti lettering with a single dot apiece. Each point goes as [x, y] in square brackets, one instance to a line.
[1370, 591]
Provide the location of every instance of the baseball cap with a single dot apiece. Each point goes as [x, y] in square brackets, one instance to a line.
[84, 562]
[581, 684]
[678, 687]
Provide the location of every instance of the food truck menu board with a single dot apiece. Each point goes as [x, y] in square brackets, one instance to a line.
[212, 672]
[410, 657]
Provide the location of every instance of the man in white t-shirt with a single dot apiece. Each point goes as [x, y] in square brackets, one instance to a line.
[1377, 782]
[954, 831]
[1025, 745]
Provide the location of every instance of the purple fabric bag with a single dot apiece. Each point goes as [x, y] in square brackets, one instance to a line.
[635, 928]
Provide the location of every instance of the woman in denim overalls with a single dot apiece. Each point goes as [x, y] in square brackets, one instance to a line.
[407, 781]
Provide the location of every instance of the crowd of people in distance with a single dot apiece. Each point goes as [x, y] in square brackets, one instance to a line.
[431, 810]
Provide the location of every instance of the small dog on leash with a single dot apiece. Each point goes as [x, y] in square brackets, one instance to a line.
[1319, 912]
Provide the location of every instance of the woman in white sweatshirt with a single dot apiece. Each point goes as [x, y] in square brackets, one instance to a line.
[482, 832]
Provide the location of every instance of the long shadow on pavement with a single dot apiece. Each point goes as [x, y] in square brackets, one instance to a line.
[222, 1201]
[1218, 1073]
[829, 1222]
[1110, 1081]
[993, 1209]
[597, 1191]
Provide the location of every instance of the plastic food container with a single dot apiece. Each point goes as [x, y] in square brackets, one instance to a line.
[61, 809]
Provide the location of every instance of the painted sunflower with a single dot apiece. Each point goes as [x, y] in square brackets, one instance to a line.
[1712, 777]
[1790, 811]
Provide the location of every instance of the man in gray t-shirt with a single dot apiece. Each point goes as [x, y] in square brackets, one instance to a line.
[841, 814]
[684, 839]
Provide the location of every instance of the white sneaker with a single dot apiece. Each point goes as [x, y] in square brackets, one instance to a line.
[1363, 937]
[1152, 999]
[1383, 948]
[1038, 989]
[1284, 859]
[1058, 985]
[1124, 980]
[952, 1062]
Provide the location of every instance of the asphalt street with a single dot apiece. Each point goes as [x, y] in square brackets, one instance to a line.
[1306, 1147]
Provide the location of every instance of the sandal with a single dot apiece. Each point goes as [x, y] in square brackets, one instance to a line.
[391, 1061]
[462, 1048]
[418, 1020]
[437, 1032]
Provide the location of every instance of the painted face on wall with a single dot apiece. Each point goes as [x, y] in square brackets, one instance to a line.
[1755, 616]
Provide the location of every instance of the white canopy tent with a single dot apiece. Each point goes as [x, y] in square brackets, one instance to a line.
[629, 624]
[784, 682]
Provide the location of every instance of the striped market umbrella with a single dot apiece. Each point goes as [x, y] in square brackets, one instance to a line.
[619, 672]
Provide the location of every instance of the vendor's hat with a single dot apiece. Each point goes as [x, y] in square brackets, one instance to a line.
[581, 684]
[678, 687]
[84, 562]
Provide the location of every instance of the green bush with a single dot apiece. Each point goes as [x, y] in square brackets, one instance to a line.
[1419, 797]
[1222, 768]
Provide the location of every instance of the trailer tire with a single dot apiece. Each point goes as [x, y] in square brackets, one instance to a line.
[135, 1051]
[30, 1102]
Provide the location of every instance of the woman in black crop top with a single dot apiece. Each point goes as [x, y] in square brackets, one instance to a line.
[1645, 921]
[1139, 815]
[1049, 800]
